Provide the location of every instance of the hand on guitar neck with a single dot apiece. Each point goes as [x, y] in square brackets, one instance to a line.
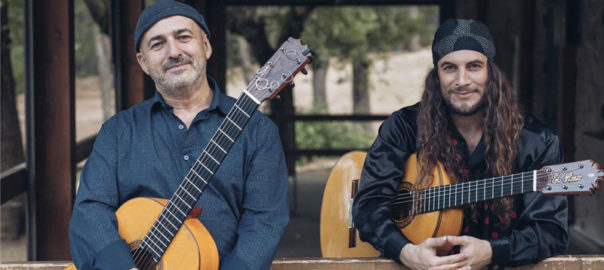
[474, 253]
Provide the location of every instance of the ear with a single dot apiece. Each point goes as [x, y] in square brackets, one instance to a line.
[141, 62]
[208, 46]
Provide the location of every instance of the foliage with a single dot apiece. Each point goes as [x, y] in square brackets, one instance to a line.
[85, 56]
[17, 39]
[331, 135]
[345, 32]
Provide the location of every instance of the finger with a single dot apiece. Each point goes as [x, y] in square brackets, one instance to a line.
[457, 240]
[436, 242]
[451, 259]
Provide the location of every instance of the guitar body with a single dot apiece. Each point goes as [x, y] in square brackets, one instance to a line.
[336, 211]
[339, 237]
[192, 247]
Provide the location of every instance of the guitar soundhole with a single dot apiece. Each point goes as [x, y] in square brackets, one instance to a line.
[143, 258]
[401, 206]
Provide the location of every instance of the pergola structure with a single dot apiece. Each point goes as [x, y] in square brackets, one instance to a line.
[547, 87]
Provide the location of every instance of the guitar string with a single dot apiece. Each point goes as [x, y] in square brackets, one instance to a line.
[227, 129]
[173, 203]
[442, 192]
[466, 186]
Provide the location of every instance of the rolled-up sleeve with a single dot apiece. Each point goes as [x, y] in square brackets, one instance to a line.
[93, 235]
[265, 204]
[382, 174]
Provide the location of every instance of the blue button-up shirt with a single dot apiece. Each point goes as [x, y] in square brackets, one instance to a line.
[146, 151]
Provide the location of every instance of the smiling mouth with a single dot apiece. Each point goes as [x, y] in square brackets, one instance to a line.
[177, 66]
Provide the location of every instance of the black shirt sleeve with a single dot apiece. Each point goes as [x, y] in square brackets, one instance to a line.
[542, 229]
[382, 174]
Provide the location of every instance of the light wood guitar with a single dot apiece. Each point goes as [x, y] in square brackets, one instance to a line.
[167, 234]
[434, 211]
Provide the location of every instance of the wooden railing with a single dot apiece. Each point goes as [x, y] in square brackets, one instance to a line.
[560, 262]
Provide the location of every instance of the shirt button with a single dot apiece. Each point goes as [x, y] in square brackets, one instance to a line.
[181, 126]
[186, 157]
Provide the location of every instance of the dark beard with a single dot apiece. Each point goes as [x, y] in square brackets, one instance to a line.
[467, 112]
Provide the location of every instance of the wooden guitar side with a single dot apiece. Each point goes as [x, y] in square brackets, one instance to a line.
[336, 214]
[335, 210]
[192, 247]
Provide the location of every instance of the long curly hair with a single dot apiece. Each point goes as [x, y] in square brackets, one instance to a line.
[501, 127]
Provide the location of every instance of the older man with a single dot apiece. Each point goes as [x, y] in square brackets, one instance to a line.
[147, 150]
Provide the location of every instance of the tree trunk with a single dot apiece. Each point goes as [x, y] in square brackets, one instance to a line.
[319, 74]
[11, 144]
[360, 83]
[103, 52]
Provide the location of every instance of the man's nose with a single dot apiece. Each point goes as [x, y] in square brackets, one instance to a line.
[462, 77]
[173, 49]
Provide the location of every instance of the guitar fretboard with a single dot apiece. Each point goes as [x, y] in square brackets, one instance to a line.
[186, 196]
[448, 196]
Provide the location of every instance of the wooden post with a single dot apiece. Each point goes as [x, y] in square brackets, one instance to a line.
[50, 126]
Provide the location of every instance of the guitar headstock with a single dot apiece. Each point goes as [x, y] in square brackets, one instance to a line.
[570, 178]
[279, 70]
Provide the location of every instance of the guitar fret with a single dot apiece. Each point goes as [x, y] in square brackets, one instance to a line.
[183, 213]
[211, 140]
[176, 194]
[484, 190]
[159, 231]
[166, 219]
[522, 183]
[239, 108]
[190, 195]
[211, 172]
[512, 186]
[203, 180]
[153, 250]
[166, 228]
[217, 162]
[476, 192]
[169, 212]
[193, 184]
[158, 239]
[228, 137]
[493, 187]
[501, 189]
[237, 126]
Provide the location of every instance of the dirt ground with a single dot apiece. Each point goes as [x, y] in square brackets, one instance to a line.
[394, 83]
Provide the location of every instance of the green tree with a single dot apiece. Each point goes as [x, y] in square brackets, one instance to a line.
[353, 33]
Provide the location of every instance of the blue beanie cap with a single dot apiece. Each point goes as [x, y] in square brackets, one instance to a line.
[458, 34]
[163, 9]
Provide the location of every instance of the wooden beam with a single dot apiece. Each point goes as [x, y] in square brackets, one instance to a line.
[129, 77]
[50, 126]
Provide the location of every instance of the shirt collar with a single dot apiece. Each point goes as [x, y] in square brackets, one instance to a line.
[219, 99]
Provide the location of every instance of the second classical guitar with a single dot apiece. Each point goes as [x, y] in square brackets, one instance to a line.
[435, 211]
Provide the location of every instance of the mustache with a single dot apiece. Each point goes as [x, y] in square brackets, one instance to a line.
[462, 89]
[171, 62]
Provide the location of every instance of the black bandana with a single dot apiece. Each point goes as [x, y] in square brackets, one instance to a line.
[458, 34]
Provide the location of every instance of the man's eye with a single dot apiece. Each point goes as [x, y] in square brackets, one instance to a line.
[155, 45]
[185, 37]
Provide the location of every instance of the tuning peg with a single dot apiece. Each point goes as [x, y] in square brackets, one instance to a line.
[277, 97]
[292, 84]
[304, 71]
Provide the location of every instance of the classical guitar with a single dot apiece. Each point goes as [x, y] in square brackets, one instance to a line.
[435, 211]
[167, 234]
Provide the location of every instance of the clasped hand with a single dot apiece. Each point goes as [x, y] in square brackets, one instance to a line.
[474, 253]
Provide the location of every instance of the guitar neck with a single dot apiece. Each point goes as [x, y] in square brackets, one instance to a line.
[449, 196]
[186, 196]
